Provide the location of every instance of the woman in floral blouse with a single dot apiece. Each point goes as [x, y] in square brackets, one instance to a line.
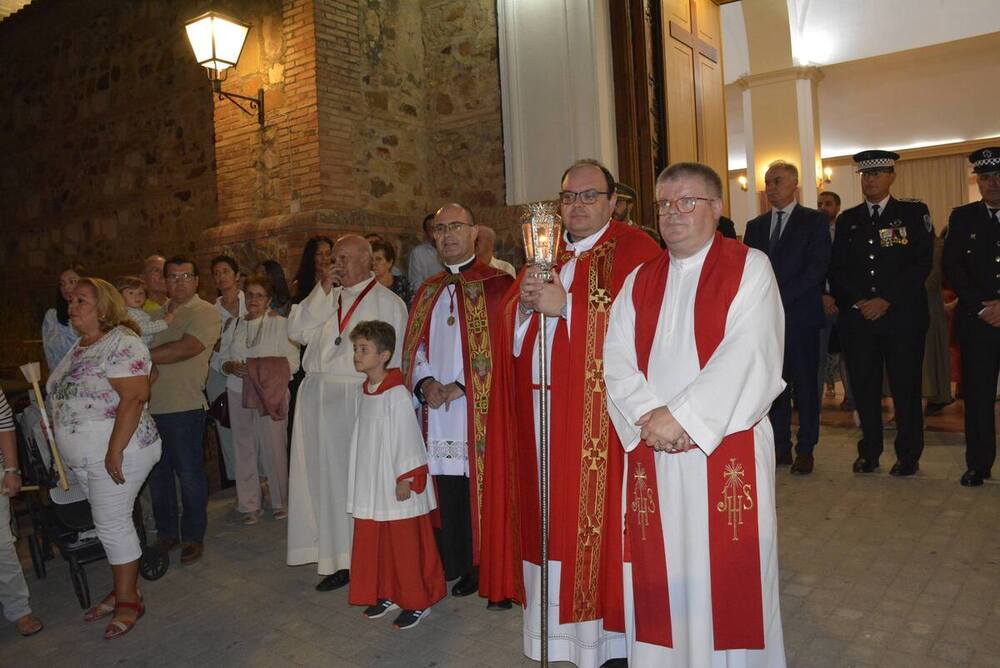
[106, 436]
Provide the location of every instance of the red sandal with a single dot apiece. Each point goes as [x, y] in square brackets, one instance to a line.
[118, 627]
[102, 609]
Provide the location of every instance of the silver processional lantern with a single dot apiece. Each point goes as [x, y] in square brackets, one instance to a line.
[541, 225]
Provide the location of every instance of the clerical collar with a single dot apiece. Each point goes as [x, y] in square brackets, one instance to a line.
[359, 286]
[461, 266]
[585, 244]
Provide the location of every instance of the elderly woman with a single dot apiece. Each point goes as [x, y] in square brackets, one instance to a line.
[106, 435]
[58, 335]
[262, 362]
[383, 260]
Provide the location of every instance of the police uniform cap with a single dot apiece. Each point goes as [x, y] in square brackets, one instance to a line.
[986, 160]
[625, 192]
[875, 160]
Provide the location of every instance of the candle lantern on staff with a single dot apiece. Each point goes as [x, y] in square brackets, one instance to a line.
[541, 226]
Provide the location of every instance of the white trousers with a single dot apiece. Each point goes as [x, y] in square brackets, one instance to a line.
[13, 588]
[259, 443]
[110, 503]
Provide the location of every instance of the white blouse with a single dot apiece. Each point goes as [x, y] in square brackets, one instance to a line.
[266, 336]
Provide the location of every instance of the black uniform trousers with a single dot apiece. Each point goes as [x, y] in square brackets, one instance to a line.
[454, 538]
[800, 370]
[897, 343]
[980, 347]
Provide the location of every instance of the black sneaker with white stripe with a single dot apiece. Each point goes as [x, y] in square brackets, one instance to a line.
[383, 606]
[410, 618]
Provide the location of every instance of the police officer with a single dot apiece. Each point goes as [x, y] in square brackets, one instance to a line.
[882, 252]
[972, 266]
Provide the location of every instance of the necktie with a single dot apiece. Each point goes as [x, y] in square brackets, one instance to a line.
[775, 234]
[875, 214]
[994, 216]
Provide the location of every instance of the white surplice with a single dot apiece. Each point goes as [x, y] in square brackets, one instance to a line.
[386, 444]
[732, 393]
[319, 529]
[441, 357]
[586, 644]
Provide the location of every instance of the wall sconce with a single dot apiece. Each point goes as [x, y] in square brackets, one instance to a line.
[217, 42]
[743, 182]
[827, 176]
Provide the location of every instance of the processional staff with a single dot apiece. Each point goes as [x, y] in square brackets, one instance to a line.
[541, 226]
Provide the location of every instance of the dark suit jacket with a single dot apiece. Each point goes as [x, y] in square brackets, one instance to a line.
[800, 262]
[971, 264]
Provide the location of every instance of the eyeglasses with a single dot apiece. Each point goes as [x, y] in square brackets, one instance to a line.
[177, 278]
[568, 197]
[440, 229]
[680, 205]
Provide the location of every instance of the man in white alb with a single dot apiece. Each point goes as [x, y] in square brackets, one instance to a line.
[319, 528]
[693, 360]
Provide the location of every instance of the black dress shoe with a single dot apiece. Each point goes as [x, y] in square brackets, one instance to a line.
[335, 581]
[863, 465]
[973, 478]
[615, 663]
[783, 458]
[803, 464]
[499, 605]
[903, 469]
[466, 585]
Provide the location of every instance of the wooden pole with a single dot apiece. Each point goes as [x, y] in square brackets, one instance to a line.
[32, 373]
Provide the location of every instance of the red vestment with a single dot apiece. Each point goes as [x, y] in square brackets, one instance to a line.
[586, 457]
[482, 289]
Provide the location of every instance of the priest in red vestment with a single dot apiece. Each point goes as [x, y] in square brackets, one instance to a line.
[693, 360]
[586, 614]
[448, 359]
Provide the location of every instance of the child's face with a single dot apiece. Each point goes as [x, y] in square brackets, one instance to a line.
[134, 297]
[367, 358]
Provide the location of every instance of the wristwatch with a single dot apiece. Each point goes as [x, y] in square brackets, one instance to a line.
[16, 472]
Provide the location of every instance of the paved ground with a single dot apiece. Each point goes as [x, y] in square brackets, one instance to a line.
[875, 572]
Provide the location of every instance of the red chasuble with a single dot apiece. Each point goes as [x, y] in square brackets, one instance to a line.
[734, 547]
[587, 459]
[482, 288]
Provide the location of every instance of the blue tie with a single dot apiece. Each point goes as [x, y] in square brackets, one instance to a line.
[775, 234]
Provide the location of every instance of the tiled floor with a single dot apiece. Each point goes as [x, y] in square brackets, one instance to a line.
[875, 571]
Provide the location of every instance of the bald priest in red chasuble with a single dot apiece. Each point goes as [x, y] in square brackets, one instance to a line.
[586, 609]
[692, 362]
[448, 361]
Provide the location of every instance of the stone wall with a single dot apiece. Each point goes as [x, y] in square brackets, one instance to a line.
[376, 111]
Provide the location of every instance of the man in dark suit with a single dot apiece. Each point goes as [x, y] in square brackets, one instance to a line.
[972, 265]
[881, 257]
[797, 240]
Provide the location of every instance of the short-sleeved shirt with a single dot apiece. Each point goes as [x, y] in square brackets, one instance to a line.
[181, 385]
[81, 393]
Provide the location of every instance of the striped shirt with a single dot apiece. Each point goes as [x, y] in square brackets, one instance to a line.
[6, 416]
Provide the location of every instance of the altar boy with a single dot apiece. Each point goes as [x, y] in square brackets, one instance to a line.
[394, 561]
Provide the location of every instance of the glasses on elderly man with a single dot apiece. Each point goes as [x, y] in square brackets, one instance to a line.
[568, 197]
[680, 205]
[177, 278]
[440, 229]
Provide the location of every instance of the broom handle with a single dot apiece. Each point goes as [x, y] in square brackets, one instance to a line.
[56, 459]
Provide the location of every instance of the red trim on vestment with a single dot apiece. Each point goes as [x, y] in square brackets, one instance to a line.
[734, 547]
[393, 378]
[417, 478]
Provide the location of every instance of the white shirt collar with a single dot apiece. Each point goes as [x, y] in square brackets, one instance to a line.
[585, 244]
[786, 210]
[881, 205]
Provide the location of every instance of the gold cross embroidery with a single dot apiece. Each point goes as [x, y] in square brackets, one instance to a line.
[736, 496]
[600, 299]
[643, 503]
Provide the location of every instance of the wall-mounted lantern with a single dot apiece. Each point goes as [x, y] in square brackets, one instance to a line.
[217, 41]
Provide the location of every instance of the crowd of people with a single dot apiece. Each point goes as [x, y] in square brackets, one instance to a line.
[394, 419]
